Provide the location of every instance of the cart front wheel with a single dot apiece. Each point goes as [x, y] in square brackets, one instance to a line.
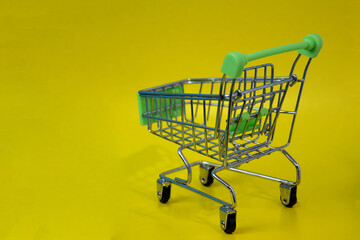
[288, 195]
[227, 219]
[163, 190]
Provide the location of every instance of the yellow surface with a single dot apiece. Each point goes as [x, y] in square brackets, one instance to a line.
[75, 163]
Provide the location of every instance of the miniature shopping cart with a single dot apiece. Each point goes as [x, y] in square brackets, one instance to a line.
[232, 120]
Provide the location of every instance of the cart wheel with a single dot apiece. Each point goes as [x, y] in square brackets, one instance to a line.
[288, 195]
[227, 219]
[206, 178]
[163, 190]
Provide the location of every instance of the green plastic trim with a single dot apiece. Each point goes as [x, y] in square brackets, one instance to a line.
[315, 43]
[244, 118]
[176, 111]
[235, 62]
[142, 109]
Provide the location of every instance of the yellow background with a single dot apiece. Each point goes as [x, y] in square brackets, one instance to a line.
[75, 163]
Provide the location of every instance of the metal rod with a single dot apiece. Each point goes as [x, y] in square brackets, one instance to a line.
[188, 166]
[231, 190]
[196, 191]
[262, 176]
[217, 123]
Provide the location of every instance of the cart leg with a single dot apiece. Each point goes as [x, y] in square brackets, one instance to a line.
[297, 166]
[287, 191]
[188, 167]
[227, 213]
[233, 197]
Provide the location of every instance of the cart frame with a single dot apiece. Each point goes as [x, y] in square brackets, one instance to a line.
[169, 104]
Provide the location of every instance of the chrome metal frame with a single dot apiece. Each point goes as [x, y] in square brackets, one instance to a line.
[177, 116]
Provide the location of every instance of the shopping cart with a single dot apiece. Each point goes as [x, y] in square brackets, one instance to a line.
[231, 120]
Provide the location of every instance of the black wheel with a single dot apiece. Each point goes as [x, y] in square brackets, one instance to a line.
[206, 178]
[231, 223]
[165, 196]
[163, 190]
[292, 198]
[208, 181]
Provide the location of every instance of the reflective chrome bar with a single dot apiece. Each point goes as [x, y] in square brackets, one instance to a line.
[218, 108]
[263, 176]
[188, 166]
[228, 186]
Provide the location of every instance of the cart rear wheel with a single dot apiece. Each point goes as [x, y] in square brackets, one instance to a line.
[288, 195]
[163, 190]
[206, 178]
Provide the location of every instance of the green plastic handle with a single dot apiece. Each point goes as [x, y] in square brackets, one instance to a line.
[235, 62]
